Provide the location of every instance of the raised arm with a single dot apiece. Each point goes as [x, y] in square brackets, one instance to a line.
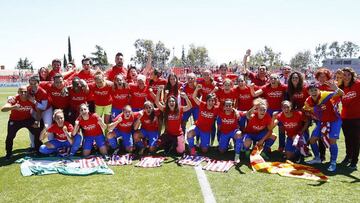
[157, 99]
[245, 61]
[188, 102]
[194, 95]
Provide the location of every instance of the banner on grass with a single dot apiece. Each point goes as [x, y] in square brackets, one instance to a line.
[117, 160]
[191, 160]
[218, 165]
[65, 166]
[150, 162]
[287, 169]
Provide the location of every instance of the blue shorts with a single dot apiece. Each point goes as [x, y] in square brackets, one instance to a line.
[225, 138]
[58, 144]
[335, 128]
[289, 145]
[127, 139]
[204, 137]
[152, 136]
[89, 140]
[255, 137]
[136, 109]
[193, 111]
[242, 122]
[115, 112]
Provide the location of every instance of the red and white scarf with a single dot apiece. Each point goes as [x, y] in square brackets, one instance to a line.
[117, 160]
[218, 166]
[191, 160]
[150, 162]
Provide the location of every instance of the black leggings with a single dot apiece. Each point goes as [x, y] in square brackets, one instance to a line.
[351, 129]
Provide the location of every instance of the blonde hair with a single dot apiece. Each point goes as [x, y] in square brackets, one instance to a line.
[56, 112]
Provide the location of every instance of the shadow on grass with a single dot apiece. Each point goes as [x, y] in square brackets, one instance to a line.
[17, 154]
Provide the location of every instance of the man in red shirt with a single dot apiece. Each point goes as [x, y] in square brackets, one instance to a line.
[117, 69]
[20, 117]
[56, 68]
[261, 77]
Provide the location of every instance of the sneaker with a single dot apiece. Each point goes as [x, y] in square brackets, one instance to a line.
[116, 151]
[237, 158]
[193, 151]
[332, 167]
[106, 157]
[353, 166]
[346, 161]
[8, 157]
[314, 161]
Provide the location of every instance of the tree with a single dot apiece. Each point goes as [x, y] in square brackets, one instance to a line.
[100, 58]
[197, 56]
[268, 57]
[69, 50]
[350, 49]
[335, 50]
[302, 60]
[24, 64]
[320, 53]
[159, 53]
[175, 61]
[183, 57]
[65, 62]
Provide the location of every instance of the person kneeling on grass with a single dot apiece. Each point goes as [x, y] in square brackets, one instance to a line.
[203, 126]
[122, 127]
[328, 124]
[148, 134]
[229, 128]
[259, 127]
[173, 113]
[295, 123]
[62, 133]
[92, 130]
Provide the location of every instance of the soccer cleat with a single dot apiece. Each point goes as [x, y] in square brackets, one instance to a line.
[116, 151]
[314, 161]
[332, 167]
[237, 158]
[346, 161]
[353, 166]
[106, 157]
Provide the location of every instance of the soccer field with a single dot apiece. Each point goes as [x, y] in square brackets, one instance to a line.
[168, 183]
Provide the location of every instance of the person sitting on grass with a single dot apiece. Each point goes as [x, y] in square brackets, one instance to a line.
[92, 127]
[62, 134]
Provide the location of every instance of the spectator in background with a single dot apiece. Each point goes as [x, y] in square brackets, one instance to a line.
[284, 77]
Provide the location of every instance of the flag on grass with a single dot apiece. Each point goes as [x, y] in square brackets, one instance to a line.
[287, 169]
[218, 165]
[117, 160]
[150, 162]
[191, 160]
[66, 166]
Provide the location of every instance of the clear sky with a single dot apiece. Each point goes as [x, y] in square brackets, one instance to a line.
[38, 29]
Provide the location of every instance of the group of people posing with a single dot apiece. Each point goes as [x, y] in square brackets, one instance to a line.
[124, 109]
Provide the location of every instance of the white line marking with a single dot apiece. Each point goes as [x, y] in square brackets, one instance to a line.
[204, 185]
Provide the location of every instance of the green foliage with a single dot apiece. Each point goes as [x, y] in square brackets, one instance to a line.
[159, 53]
[268, 57]
[335, 50]
[99, 58]
[302, 60]
[65, 62]
[175, 61]
[197, 56]
[24, 64]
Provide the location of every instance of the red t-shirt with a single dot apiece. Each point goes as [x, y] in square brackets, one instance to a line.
[173, 123]
[228, 123]
[40, 95]
[138, 96]
[77, 98]
[126, 124]
[114, 71]
[24, 112]
[256, 125]
[120, 97]
[274, 96]
[206, 117]
[155, 85]
[189, 92]
[90, 127]
[222, 96]
[150, 125]
[206, 89]
[351, 102]
[87, 76]
[59, 132]
[102, 96]
[244, 98]
[298, 99]
[58, 101]
[326, 112]
[292, 125]
[52, 73]
[256, 80]
[219, 79]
